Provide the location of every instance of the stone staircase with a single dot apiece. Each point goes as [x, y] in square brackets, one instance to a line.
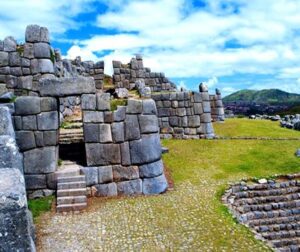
[71, 135]
[71, 188]
[271, 210]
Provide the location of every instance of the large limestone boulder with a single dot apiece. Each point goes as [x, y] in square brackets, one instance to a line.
[10, 156]
[16, 226]
[6, 126]
[66, 86]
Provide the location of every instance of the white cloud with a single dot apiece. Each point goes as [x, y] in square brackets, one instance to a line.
[56, 15]
[185, 42]
[182, 85]
[177, 38]
[212, 82]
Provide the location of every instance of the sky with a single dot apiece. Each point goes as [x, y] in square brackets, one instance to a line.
[230, 45]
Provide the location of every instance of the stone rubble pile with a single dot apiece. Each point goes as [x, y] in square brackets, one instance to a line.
[291, 122]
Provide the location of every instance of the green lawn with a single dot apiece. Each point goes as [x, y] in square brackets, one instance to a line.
[207, 166]
[243, 127]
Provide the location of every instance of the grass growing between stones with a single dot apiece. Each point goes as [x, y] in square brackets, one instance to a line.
[117, 102]
[189, 218]
[243, 127]
[39, 206]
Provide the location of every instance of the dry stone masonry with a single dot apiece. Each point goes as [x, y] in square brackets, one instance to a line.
[126, 75]
[21, 66]
[123, 148]
[185, 114]
[217, 108]
[271, 209]
[77, 67]
[36, 122]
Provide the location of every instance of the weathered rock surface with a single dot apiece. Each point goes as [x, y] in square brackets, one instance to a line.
[102, 154]
[28, 105]
[9, 154]
[151, 170]
[16, 229]
[40, 160]
[155, 185]
[106, 190]
[145, 150]
[66, 86]
[6, 125]
[130, 187]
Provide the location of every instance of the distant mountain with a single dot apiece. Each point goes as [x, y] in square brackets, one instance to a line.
[266, 96]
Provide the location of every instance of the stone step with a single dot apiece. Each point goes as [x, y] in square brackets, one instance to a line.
[71, 192]
[70, 141]
[281, 235]
[68, 171]
[70, 138]
[79, 178]
[68, 162]
[71, 185]
[292, 248]
[264, 200]
[71, 200]
[278, 227]
[73, 125]
[71, 207]
[70, 131]
[285, 242]
[265, 193]
[274, 221]
[271, 214]
[70, 135]
[267, 186]
[269, 207]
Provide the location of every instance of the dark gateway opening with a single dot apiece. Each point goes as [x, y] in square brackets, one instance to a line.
[74, 152]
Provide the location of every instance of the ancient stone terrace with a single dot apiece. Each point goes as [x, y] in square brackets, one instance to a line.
[271, 209]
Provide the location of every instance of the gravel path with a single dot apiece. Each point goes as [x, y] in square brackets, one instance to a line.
[189, 218]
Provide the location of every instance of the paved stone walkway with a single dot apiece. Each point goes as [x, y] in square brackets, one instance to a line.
[190, 218]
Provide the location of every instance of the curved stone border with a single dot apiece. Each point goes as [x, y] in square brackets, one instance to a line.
[269, 208]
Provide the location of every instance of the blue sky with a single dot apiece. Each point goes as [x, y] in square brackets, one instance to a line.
[229, 44]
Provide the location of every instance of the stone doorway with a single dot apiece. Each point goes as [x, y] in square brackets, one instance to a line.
[71, 139]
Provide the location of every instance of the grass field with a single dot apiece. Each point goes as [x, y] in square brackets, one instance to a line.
[191, 217]
[243, 127]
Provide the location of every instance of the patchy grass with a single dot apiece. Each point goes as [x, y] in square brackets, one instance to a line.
[39, 206]
[117, 102]
[256, 128]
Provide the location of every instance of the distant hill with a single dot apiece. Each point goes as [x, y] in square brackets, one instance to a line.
[266, 96]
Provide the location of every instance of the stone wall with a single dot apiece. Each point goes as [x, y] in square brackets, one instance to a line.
[73, 68]
[270, 208]
[16, 225]
[36, 123]
[217, 108]
[184, 115]
[21, 66]
[123, 148]
[125, 76]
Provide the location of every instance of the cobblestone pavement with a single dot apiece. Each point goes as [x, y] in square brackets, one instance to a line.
[189, 218]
